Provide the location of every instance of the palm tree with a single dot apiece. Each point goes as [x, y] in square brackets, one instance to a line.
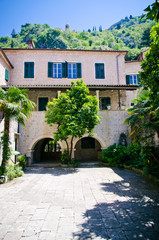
[143, 117]
[14, 103]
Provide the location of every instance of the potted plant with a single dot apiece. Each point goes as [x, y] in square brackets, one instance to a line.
[108, 107]
[123, 106]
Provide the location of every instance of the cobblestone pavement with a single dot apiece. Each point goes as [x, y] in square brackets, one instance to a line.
[84, 203]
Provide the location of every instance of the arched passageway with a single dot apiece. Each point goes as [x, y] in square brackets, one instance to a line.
[87, 149]
[46, 151]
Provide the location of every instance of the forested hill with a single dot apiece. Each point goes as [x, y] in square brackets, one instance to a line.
[130, 34]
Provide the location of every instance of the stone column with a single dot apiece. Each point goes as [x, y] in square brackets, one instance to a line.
[58, 93]
[97, 95]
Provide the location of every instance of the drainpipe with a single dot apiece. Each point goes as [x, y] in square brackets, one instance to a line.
[117, 66]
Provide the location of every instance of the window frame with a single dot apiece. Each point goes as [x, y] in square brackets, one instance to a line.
[53, 70]
[29, 73]
[101, 104]
[98, 72]
[39, 105]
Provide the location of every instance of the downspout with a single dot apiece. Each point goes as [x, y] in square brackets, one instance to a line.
[117, 66]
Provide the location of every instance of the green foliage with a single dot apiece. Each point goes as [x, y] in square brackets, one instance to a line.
[144, 115]
[22, 161]
[13, 103]
[134, 155]
[128, 34]
[152, 11]
[75, 113]
[14, 171]
[64, 157]
[114, 154]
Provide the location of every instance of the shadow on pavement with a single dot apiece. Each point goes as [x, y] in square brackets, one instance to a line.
[130, 210]
[57, 171]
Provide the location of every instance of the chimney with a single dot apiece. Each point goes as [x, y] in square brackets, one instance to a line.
[30, 44]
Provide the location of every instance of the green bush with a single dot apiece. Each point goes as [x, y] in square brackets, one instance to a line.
[114, 154]
[14, 171]
[134, 155]
[22, 161]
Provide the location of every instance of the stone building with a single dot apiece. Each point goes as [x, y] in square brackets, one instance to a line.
[48, 72]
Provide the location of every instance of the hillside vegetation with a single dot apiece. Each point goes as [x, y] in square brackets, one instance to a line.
[130, 34]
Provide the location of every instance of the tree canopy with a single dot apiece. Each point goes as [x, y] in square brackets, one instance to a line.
[75, 113]
[14, 103]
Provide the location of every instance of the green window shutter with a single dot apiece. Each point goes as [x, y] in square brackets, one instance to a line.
[26, 71]
[29, 70]
[79, 75]
[127, 79]
[50, 69]
[6, 74]
[64, 70]
[42, 103]
[97, 70]
[102, 71]
[139, 81]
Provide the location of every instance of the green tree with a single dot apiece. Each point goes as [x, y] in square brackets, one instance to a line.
[75, 113]
[14, 103]
[144, 115]
[152, 11]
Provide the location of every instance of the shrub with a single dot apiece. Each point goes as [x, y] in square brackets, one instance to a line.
[14, 171]
[22, 161]
[114, 154]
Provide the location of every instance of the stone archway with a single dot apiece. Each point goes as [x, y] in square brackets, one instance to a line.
[46, 151]
[87, 149]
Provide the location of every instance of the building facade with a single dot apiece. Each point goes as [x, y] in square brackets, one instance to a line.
[48, 72]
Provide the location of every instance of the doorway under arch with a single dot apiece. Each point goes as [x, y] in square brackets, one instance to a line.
[46, 151]
[87, 149]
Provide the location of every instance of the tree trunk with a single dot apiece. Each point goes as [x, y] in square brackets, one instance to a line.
[5, 144]
[70, 154]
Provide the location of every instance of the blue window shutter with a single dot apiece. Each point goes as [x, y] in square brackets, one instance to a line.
[50, 69]
[6, 74]
[127, 79]
[79, 75]
[64, 70]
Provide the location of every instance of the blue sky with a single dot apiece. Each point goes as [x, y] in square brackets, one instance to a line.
[80, 14]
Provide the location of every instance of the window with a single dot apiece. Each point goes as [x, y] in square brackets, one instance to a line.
[99, 71]
[57, 70]
[6, 74]
[42, 102]
[104, 102]
[72, 70]
[64, 70]
[52, 147]
[29, 70]
[133, 79]
[88, 142]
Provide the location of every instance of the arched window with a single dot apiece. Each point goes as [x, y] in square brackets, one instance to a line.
[88, 142]
[52, 147]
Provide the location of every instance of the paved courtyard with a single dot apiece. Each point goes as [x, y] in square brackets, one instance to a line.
[84, 203]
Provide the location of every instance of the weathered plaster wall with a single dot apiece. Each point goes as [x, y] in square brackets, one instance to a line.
[87, 58]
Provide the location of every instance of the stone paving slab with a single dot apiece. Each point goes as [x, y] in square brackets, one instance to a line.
[79, 204]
